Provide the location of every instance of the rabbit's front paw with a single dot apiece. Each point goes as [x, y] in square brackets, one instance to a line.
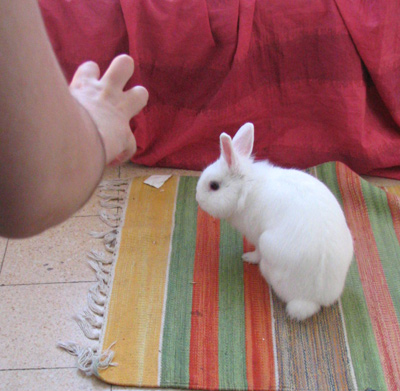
[251, 257]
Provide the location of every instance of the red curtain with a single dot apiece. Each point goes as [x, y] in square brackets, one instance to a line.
[319, 79]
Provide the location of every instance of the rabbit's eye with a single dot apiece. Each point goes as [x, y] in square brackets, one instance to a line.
[214, 185]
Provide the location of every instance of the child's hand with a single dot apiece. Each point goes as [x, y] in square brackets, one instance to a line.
[109, 106]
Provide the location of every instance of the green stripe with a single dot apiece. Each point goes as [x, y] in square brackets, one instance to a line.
[360, 336]
[385, 237]
[232, 344]
[177, 323]
[327, 174]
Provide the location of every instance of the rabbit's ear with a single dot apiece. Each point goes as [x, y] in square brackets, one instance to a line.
[227, 151]
[244, 140]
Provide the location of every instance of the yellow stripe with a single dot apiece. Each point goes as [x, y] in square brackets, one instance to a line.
[135, 309]
[393, 189]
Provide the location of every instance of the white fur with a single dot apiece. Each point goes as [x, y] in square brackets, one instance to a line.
[303, 244]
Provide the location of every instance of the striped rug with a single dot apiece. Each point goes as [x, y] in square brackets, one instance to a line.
[187, 313]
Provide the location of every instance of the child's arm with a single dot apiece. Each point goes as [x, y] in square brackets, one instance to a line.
[53, 150]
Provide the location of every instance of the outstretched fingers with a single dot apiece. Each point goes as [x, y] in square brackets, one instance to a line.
[110, 107]
[119, 72]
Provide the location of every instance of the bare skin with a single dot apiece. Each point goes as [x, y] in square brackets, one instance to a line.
[55, 139]
[110, 107]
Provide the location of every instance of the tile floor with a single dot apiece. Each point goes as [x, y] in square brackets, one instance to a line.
[43, 283]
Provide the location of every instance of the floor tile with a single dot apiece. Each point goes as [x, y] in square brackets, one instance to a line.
[33, 318]
[50, 380]
[111, 173]
[57, 255]
[91, 208]
[3, 246]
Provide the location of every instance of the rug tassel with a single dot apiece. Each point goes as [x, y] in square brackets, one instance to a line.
[98, 298]
[102, 276]
[103, 235]
[89, 360]
[87, 329]
[105, 359]
[109, 238]
[113, 185]
[108, 197]
[99, 256]
[99, 267]
[94, 307]
[109, 205]
[110, 220]
[103, 288]
[91, 320]
[70, 347]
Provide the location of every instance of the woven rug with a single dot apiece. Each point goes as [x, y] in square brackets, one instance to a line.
[176, 307]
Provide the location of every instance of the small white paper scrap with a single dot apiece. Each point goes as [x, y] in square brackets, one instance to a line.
[157, 180]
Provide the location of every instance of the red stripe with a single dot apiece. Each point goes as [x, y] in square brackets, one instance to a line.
[259, 338]
[203, 370]
[376, 291]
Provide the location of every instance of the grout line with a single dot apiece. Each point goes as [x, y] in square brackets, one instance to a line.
[4, 256]
[34, 369]
[47, 283]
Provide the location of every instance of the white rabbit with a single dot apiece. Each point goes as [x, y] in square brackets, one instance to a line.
[303, 244]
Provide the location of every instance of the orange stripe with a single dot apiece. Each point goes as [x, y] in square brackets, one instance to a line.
[377, 296]
[204, 328]
[259, 339]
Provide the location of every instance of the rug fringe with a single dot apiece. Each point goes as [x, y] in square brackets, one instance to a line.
[91, 320]
[89, 361]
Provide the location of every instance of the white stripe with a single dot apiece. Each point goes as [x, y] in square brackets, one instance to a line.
[353, 375]
[274, 340]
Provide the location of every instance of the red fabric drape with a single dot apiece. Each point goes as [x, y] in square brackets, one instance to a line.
[320, 79]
